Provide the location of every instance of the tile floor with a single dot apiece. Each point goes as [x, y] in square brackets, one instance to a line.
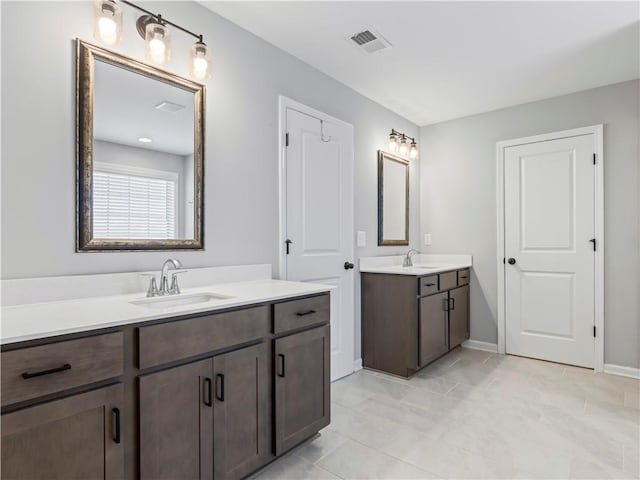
[474, 414]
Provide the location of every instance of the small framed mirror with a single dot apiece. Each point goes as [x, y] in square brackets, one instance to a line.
[140, 151]
[393, 199]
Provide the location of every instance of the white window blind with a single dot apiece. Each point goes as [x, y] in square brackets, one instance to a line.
[133, 203]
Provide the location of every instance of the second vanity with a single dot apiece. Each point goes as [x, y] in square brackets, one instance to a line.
[216, 389]
[412, 315]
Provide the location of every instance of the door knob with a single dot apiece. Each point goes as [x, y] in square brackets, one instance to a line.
[348, 265]
[512, 261]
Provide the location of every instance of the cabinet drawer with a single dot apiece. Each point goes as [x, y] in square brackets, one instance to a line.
[168, 342]
[300, 313]
[428, 285]
[448, 280]
[464, 276]
[33, 372]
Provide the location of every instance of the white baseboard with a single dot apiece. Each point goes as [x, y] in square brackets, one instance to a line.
[357, 365]
[478, 345]
[622, 370]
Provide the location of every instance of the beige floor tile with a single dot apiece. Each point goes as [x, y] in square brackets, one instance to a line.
[476, 415]
[355, 461]
[292, 467]
[320, 446]
[632, 400]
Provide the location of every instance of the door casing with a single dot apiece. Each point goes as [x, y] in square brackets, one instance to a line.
[597, 132]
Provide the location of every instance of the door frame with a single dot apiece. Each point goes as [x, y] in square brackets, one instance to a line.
[597, 132]
[283, 104]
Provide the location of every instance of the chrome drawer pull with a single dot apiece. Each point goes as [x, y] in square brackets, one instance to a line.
[27, 375]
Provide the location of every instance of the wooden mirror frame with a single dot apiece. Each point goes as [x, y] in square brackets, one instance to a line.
[382, 156]
[86, 54]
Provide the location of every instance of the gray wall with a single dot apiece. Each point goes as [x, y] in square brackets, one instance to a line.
[458, 199]
[241, 169]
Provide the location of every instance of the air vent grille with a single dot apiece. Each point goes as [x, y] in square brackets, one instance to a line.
[363, 37]
[370, 41]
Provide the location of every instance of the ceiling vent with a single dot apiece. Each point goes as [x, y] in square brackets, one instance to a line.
[167, 106]
[370, 41]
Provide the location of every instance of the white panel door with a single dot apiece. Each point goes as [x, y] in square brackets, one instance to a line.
[319, 221]
[549, 273]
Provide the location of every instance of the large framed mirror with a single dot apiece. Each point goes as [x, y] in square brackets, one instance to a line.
[393, 199]
[140, 152]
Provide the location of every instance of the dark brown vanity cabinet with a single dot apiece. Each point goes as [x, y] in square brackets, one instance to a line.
[74, 437]
[176, 423]
[241, 411]
[458, 315]
[433, 328]
[209, 396]
[408, 321]
[301, 386]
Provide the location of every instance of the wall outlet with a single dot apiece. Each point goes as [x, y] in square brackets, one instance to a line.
[361, 239]
[427, 239]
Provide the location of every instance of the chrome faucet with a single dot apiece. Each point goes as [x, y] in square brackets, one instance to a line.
[165, 289]
[407, 258]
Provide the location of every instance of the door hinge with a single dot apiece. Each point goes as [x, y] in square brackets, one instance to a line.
[594, 158]
[594, 330]
[286, 139]
[593, 240]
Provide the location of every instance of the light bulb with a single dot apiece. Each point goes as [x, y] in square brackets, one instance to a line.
[413, 151]
[158, 39]
[403, 146]
[108, 22]
[200, 61]
[393, 143]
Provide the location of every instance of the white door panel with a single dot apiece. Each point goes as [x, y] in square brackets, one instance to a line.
[549, 222]
[319, 220]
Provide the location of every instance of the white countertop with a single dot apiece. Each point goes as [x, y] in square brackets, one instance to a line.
[422, 264]
[41, 320]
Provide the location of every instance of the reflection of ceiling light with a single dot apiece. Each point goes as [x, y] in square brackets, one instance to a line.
[167, 106]
[145, 140]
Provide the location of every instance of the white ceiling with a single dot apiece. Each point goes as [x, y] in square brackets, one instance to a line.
[124, 110]
[453, 59]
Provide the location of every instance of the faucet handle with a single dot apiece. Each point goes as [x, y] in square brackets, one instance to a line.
[175, 288]
[152, 291]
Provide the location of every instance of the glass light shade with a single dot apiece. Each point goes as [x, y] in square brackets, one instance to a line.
[393, 143]
[107, 24]
[200, 67]
[157, 43]
[413, 151]
[403, 148]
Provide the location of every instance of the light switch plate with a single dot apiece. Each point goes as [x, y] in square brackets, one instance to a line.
[361, 239]
[427, 239]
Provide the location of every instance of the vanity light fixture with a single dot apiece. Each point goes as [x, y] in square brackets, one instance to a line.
[393, 142]
[154, 29]
[398, 141]
[107, 26]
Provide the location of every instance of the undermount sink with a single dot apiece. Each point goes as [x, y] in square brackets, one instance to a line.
[180, 300]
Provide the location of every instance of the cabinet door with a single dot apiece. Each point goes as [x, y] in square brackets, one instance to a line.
[77, 437]
[302, 386]
[241, 412]
[458, 316]
[176, 423]
[434, 334]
